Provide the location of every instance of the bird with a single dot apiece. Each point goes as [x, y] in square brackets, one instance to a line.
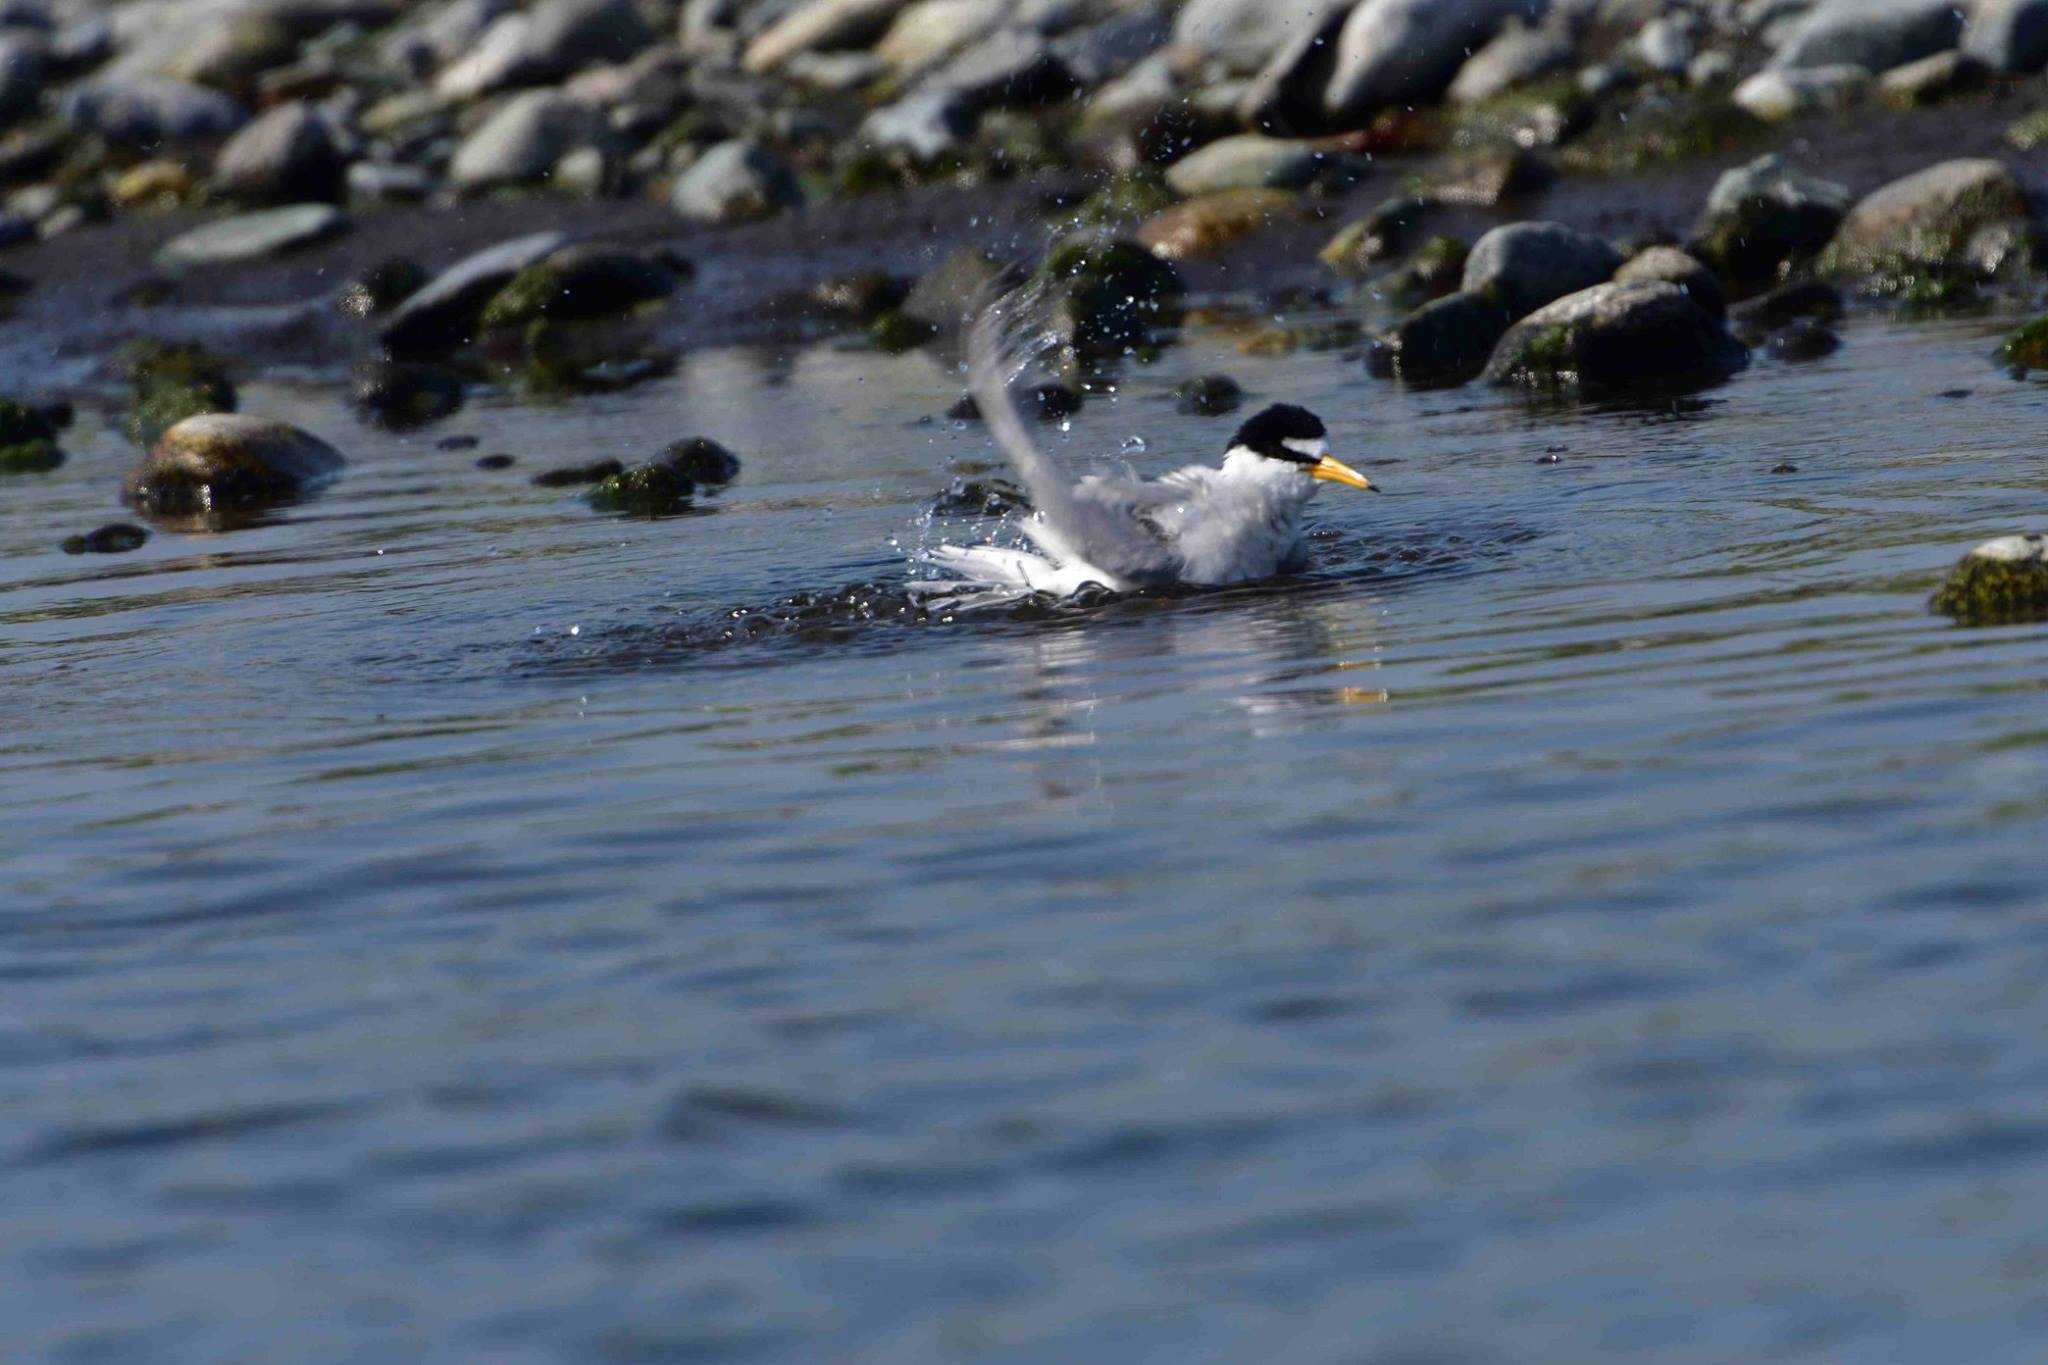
[1198, 525]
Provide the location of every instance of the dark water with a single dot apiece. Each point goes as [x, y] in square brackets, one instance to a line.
[1599, 916]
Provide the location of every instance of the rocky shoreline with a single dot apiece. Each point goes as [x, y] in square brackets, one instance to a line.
[1612, 195]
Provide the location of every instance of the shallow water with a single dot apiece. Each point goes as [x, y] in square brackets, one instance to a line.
[1597, 915]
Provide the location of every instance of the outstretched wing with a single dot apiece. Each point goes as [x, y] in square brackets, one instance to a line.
[1004, 340]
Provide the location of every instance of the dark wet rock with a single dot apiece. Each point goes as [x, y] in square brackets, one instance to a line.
[172, 381]
[383, 286]
[1766, 217]
[221, 460]
[1437, 268]
[1645, 336]
[579, 282]
[2001, 582]
[1254, 161]
[735, 182]
[115, 538]
[402, 395]
[1110, 295]
[288, 156]
[1933, 79]
[1402, 52]
[1670, 264]
[1052, 402]
[1789, 303]
[28, 439]
[253, 236]
[23, 60]
[495, 462]
[1876, 35]
[443, 315]
[523, 141]
[1204, 226]
[1785, 467]
[948, 294]
[1958, 217]
[645, 490]
[1804, 340]
[702, 460]
[980, 498]
[456, 443]
[1518, 54]
[576, 475]
[1777, 95]
[1212, 395]
[1526, 265]
[861, 297]
[2008, 36]
[1446, 341]
[1359, 246]
[966, 408]
[148, 111]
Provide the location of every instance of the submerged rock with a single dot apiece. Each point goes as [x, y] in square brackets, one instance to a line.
[1766, 217]
[1804, 340]
[253, 236]
[1958, 217]
[115, 538]
[702, 460]
[219, 461]
[28, 439]
[735, 182]
[174, 380]
[1526, 265]
[1644, 336]
[645, 490]
[2001, 582]
[443, 315]
[575, 475]
[1448, 340]
[1212, 395]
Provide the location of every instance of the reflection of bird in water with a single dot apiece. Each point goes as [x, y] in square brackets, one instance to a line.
[1198, 524]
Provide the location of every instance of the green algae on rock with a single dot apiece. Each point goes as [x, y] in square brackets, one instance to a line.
[1646, 336]
[1952, 221]
[1660, 132]
[2001, 582]
[656, 489]
[2026, 347]
[1111, 295]
[579, 282]
[174, 380]
[1127, 200]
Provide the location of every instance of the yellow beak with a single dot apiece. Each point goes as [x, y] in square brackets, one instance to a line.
[1336, 471]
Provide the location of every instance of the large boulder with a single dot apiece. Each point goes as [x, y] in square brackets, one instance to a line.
[1400, 52]
[1526, 265]
[2001, 582]
[735, 182]
[2009, 36]
[288, 156]
[1964, 216]
[444, 314]
[1646, 336]
[1876, 35]
[1766, 216]
[522, 141]
[222, 460]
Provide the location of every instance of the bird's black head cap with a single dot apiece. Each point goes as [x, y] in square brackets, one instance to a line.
[1269, 431]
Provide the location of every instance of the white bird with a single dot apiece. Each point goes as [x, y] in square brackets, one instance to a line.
[1195, 525]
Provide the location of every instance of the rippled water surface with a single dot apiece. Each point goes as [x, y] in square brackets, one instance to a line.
[1597, 915]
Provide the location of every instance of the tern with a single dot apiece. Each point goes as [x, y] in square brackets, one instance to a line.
[1198, 525]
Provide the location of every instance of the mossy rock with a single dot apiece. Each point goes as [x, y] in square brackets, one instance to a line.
[1626, 142]
[645, 490]
[2027, 346]
[37, 455]
[2001, 582]
[1966, 217]
[895, 332]
[1113, 294]
[702, 460]
[218, 461]
[1127, 199]
[174, 380]
[1544, 113]
[1437, 268]
[19, 423]
[578, 282]
[2029, 132]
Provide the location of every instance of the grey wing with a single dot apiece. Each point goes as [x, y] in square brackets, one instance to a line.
[1155, 507]
[1103, 533]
